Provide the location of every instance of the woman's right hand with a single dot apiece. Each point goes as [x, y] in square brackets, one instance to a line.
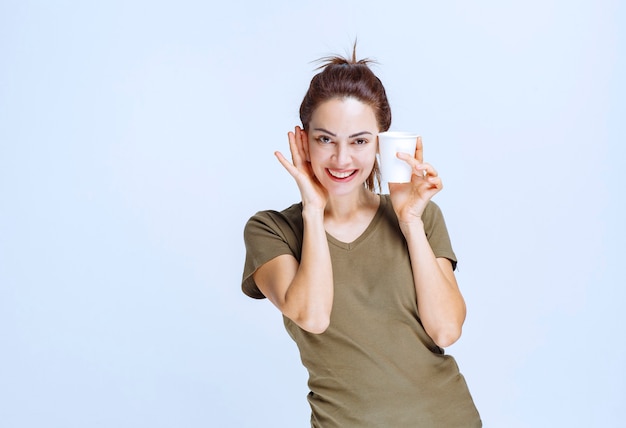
[313, 194]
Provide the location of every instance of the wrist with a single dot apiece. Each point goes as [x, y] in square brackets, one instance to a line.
[312, 214]
[413, 227]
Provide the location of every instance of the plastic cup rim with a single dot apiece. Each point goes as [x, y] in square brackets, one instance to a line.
[402, 134]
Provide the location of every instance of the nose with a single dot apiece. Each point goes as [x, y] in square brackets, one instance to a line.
[342, 155]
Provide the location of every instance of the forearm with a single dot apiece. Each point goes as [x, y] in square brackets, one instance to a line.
[439, 301]
[309, 298]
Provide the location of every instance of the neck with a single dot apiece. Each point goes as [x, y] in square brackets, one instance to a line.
[344, 208]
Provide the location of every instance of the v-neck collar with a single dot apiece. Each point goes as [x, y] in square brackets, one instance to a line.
[366, 233]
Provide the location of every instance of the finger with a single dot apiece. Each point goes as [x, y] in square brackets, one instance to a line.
[302, 141]
[429, 170]
[435, 183]
[419, 150]
[283, 160]
[291, 168]
[292, 147]
[295, 147]
[418, 168]
[408, 159]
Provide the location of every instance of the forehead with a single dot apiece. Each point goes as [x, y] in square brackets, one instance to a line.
[344, 114]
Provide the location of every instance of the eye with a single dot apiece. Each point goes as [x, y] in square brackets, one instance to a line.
[323, 139]
[360, 141]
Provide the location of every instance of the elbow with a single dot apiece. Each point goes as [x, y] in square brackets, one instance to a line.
[313, 324]
[446, 337]
[310, 319]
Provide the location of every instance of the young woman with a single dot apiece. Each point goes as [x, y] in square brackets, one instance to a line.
[365, 281]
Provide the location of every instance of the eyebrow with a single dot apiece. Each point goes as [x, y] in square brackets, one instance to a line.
[350, 136]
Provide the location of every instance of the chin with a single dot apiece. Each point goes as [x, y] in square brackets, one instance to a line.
[339, 189]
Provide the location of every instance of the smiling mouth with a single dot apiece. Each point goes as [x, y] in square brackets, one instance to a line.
[341, 174]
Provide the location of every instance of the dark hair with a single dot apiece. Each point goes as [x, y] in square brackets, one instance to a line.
[348, 78]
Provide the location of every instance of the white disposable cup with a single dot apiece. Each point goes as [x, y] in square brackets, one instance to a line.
[392, 169]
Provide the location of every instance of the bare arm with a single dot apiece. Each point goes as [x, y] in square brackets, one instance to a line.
[302, 291]
[439, 301]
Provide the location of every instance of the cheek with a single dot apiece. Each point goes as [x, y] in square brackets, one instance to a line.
[371, 154]
[319, 152]
[318, 159]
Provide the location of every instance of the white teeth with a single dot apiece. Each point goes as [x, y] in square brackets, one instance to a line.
[339, 174]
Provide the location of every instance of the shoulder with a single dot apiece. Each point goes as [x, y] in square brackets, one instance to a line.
[431, 214]
[434, 227]
[268, 234]
[276, 221]
[270, 228]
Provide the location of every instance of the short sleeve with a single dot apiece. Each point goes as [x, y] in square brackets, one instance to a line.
[437, 233]
[269, 234]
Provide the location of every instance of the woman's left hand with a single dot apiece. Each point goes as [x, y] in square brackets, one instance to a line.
[410, 199]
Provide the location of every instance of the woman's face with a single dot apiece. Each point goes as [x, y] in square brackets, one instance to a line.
[342, 143]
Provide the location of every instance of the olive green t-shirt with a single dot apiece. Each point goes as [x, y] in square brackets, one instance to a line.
[374, 366]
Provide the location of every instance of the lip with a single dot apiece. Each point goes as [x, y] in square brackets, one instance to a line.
[353, 173]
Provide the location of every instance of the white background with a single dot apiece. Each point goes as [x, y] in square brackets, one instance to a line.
[136, 138]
